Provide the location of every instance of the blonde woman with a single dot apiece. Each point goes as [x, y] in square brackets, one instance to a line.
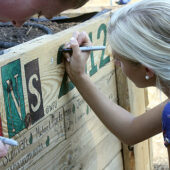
[139, 35]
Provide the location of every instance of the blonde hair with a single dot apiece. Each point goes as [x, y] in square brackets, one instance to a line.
[141, 33]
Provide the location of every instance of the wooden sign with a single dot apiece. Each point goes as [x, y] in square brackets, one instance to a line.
[41, 108]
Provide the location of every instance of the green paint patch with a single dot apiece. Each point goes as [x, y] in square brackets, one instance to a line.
[103, 29]
[73, 109]
[48, 141]
[87, 110]
[30, 139]
[59, 54]
[66, 86]
[13, 97]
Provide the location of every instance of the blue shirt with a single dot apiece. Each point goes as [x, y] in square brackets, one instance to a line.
[166, 124]
[124, 1]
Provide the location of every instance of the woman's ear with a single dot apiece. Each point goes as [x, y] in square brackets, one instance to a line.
[149, 72]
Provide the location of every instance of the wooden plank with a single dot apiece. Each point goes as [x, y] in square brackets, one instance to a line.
[83, 153]
[102, 154]
[87, 9]
[104, 3]
[94, 6]
[36, 142]
[99, 3]
[134, 100]
[141, 150]
[116, 163]
[83, 119]
[150, 147]
[151, 154]
[59, 117]
[124, 101]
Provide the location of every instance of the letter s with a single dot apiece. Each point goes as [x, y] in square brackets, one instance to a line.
[34, 91]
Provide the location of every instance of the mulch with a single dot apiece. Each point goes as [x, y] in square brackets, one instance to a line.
[18, 35]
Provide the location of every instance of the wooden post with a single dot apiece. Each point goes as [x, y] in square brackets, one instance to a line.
[124, 101]
[137, 105]
[134, 100]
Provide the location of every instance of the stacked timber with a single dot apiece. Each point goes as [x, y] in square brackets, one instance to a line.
[43, 111]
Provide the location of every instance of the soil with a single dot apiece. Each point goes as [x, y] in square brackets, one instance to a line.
[55, 27]
[18, 35]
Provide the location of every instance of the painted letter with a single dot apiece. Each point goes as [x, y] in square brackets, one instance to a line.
[35, 92]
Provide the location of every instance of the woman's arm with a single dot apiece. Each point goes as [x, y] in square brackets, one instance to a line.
[125, 126]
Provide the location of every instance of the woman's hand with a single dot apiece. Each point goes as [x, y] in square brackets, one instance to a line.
[3, 149]
[75, 63]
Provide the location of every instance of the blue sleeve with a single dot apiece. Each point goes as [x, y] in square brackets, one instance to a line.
[166, 124]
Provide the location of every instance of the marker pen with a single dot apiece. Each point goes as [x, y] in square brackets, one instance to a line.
[8, 141]
[85, 48]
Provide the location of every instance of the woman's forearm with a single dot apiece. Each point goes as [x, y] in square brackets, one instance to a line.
[128, 128]
[115, 118]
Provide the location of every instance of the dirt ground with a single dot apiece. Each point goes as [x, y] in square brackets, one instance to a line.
[160, 155]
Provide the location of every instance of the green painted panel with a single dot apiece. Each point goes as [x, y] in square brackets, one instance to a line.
[13, 97]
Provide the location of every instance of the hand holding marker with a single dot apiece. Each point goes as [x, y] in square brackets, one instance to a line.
[85, 48]
[8, 141]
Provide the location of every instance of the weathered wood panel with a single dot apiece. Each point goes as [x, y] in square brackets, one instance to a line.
[116, 163]
[64, 132]
[94, 6]
[137, 104]
[124, 101]
[134, 100]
